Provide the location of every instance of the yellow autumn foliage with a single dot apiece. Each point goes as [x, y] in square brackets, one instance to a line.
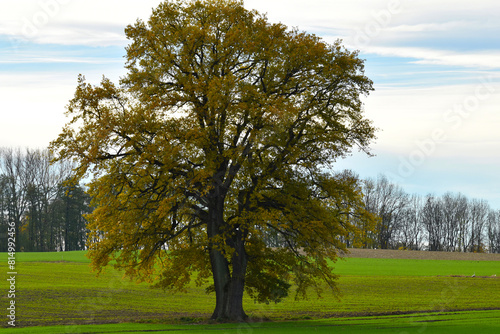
[222, 136]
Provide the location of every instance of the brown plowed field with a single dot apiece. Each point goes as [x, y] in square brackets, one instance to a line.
[421, 255]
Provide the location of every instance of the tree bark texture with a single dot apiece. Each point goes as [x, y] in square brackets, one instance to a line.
[229, 278]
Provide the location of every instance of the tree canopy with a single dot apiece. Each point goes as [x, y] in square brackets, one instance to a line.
[226, 128]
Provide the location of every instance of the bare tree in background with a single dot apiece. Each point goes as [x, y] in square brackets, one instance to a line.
[411, 228]
[11, 164]
[29, 187]
[4, 197]
[42, 182]
[454, 208]
[479, 210]
[494, 231]
[432, 217]
[388, 201]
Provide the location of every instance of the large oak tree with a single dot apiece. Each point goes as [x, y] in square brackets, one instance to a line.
[224, 130]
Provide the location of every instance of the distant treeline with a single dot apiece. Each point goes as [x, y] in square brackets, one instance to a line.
[450, 222]
[47, 212]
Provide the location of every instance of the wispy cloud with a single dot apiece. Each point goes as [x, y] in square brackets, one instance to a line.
[33, 59]
[489, 59]
[70, 22]
[433, 27]
[63, 33]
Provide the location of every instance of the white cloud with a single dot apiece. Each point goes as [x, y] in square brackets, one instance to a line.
[72, 22]
[489, 59]
[97, 22]
[33, 107]
[486, 59]
[421, 27]
[26, 58]
[466, 113]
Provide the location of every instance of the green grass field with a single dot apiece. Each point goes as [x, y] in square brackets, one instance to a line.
[483, 322]
[392, 295]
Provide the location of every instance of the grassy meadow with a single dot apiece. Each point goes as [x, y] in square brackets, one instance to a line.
[58, 289]
[484, 322]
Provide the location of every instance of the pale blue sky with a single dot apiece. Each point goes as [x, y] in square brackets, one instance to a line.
[435, 65]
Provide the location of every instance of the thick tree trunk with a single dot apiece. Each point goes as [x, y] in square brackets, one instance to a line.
[220, 272]
[229, 287]
[237, 284]
[229, 284]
